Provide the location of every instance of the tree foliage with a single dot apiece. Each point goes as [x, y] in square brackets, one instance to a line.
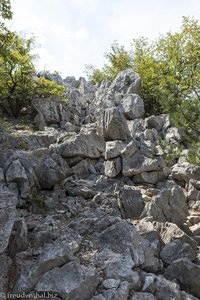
[170, 71]
[19, 82]
[5, 9]
[169, 68]
[118, 60]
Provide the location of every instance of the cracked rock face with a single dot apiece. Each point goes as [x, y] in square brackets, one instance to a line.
[90, 209]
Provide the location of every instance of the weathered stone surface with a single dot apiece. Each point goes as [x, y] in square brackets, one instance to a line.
[83, 145]
[136, 127]
[169, 205]
[185, 172]
[137, 164]
[186, 296]
[132, 106]
[50, 111]
[51, 170]
[175, 250]
[142, 296]
[151, 177]
[127, 82]
[5, 263]
[41, 168]
[19, 237]
[113, 167]
[187, 274]
[193, 194]
[16, 172]
[72, 281]
[122, 293]
[156, 122]
[111, 283]
[195, 183]
[113, 149]
[121, 236]
[131, 202]
[174, 135]
[119, 267]
[82, 188]
[29, 272]
[195, 229]
[8, 202]
[113, 125]
[161, 288]
[167, 231]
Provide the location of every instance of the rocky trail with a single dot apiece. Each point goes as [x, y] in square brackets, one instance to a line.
[92, 207]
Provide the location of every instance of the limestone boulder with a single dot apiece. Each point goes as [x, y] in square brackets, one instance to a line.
[169, 205]
[132, 106]
[8, 212]
[175, 250]
[113, 125]
[186, 273]
[122, 236]
[82, 145]
[113, 167]
[29, 272]
[131, 202]
[71, 281]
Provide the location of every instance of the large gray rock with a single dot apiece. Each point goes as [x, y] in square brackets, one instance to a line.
[136, 127]
[113, 125]
[120, 293]
[30, 272]
[113, 149]
[72, 281]
[151, 177]
[161, 287]
[175, 250]
[131, 202]
[83, 145]
[142, 296]
[185, 172]
[186, 273]
[122, 236]
[167, 231]
[16, 173]
[51, 170]
[174, 135]
[8, 202]
[51, 76]
[113, 167]
[156, 122]
[132, 106]
[120, 267]
[50, 111]
[19, 237]
[169, 205]
[5, 263]
[137, 164]
[127, 82]
[41, 168]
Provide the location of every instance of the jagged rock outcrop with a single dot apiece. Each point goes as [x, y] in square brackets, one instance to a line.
[92, 206]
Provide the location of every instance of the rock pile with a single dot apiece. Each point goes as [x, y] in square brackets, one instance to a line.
[93, 208]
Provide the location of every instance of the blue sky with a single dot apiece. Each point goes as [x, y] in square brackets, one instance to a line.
[72, 33]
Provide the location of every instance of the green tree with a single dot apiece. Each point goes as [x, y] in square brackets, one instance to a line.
[5, 9]
[18, 81]
[170, 71]
[169, 68]
[118, 59]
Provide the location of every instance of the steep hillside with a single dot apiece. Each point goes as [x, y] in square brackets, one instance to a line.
[100, 203]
